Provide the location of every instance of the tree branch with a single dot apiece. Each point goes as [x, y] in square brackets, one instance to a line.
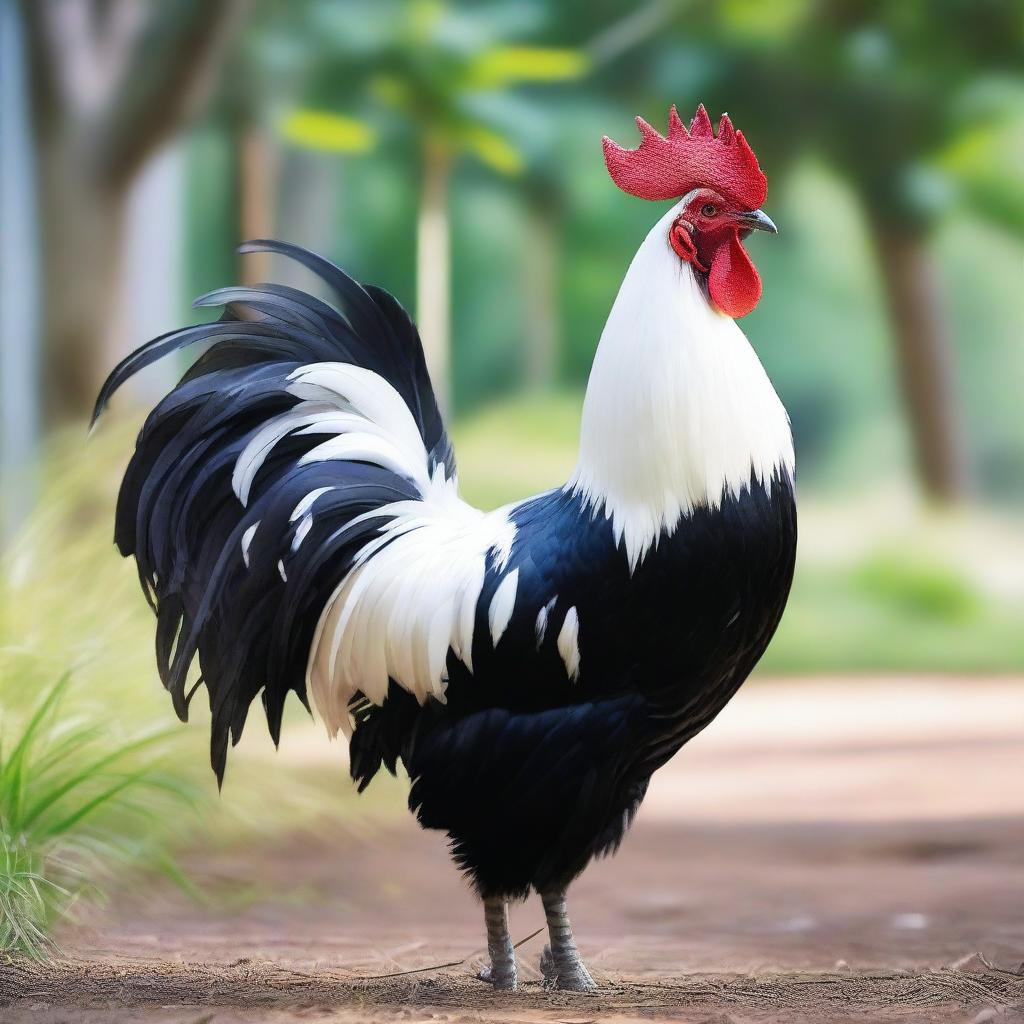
[117, 25]
[171, 66]
[632, 30]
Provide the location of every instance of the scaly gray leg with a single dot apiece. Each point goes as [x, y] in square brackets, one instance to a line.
[560, 962]
[502, 972]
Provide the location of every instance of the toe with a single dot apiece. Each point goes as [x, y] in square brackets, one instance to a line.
[577, 982]
[504, 980]
[547, 963]
[566, 975]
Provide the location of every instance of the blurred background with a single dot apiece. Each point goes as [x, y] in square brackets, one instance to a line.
[450, 152]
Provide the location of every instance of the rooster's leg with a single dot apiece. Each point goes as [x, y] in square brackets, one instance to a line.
[560, 962]
[502, 972]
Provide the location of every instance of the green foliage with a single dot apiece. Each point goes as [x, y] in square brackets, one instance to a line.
[536, 437]
[835, 624]
[882, 91]
[984, 161]
[330, 132]
[861, 114]
[502, 66]
[74, 807]
[917, 587]
[67, 599]
[442, 69]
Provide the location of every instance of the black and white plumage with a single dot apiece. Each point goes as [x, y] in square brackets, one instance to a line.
[293, 509]
[239, 541]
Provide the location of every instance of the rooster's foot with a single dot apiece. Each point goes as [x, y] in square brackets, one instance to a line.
[561, 963]
[566, 972]
[502, 972]
[504, 979]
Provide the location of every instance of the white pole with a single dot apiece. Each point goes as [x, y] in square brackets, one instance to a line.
[151, 297]
[19, 282]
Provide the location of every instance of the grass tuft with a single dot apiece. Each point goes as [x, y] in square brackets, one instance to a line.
[917, 587]
[74, 808]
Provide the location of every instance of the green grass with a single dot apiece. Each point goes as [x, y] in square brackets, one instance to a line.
[874, 619]
[911, 586]
[514, 449]
[76, 805]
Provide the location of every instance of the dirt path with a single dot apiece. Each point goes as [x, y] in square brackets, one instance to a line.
[274, 992]
[827, 852]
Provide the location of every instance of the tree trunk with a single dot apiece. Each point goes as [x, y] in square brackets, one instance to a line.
[925, 361]
[81, 234]
[540, 288]
[110, 83]
[310, 184]
[151, 289]
[433, 269]
[257, 178]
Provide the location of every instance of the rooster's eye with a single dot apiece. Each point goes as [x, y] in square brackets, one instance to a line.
[709, 209]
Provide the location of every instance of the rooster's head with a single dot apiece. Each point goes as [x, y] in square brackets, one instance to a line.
[721, 188]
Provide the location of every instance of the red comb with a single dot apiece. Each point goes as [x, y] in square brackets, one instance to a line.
[666, 168]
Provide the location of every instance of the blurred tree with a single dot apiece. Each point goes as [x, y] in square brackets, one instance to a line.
[312, 167]
[277, 146]
[443, 72]
[111, 81]
[545, 217]
[887, 93]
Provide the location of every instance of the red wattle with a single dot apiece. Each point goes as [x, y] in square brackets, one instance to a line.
[733, 282]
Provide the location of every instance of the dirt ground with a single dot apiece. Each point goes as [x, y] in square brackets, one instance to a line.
[828, 851]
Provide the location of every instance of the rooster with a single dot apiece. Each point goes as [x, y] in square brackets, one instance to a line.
[293, 510]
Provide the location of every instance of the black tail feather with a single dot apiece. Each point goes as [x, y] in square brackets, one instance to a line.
[249, 616]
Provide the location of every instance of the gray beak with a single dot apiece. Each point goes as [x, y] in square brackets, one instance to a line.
[758, 220]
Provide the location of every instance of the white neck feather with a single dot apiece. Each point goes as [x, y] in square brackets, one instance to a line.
[679, 410]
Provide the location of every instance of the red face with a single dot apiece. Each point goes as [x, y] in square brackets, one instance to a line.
[709, 234]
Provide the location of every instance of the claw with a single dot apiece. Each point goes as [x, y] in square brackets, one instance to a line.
[547, 964]
[567, 974]
[504, 980]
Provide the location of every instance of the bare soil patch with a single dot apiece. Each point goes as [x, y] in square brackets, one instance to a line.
[130, 990]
